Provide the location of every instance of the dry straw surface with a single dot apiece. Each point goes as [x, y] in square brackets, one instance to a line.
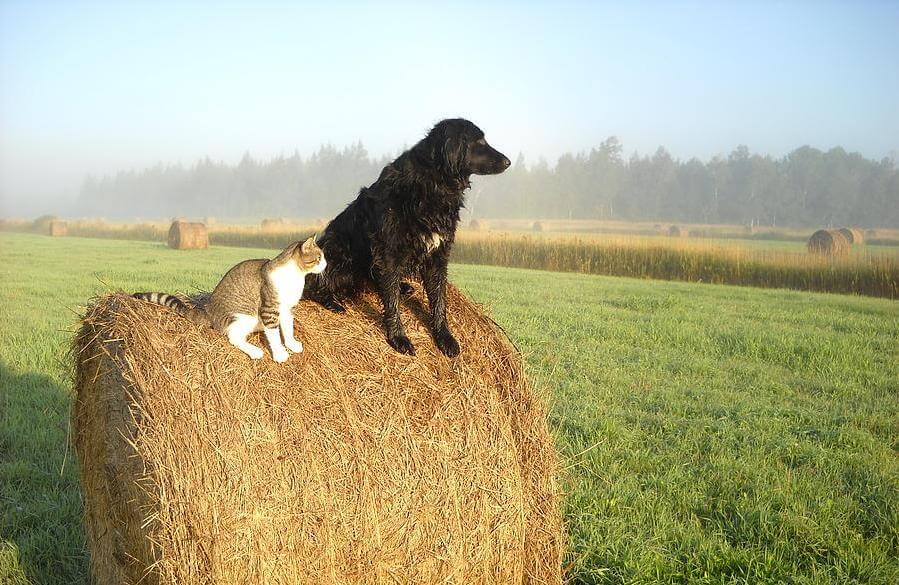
[829, 243]
[350, 463]
[184, 235]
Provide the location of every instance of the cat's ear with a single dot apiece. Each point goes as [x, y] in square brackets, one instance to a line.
[309, 244]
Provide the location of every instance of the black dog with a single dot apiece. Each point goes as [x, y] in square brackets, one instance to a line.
[404, 225]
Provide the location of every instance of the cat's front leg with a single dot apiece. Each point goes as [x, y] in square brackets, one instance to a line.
[279, 353]
[273, 334]
[287, 331]
[270, 314]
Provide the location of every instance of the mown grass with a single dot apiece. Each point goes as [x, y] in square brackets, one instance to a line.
[710, 434]
[868, 270]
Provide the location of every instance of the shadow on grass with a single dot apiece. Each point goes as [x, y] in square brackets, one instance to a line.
[40, 495]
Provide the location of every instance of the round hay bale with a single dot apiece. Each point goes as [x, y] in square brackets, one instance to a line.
[272, 224]
[184, 235]
[476, 225]
[349, 463]
[828, 243]
[847, 233]
[537, 227]
[42, 223]
[678, 232]
[58, 228]
[852, 235]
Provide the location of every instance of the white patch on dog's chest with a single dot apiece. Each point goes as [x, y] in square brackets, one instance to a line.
[433, 242]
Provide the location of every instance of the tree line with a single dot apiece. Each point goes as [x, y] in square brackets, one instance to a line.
[806, 187]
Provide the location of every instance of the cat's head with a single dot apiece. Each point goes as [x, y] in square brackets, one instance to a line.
[308, 256]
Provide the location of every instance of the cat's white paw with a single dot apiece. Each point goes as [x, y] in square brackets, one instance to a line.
[280, 356]
[255, 353]
[294, 345]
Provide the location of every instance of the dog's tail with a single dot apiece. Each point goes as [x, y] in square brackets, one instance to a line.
[198, 316]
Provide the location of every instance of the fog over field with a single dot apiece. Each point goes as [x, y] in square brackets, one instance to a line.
[764, 113]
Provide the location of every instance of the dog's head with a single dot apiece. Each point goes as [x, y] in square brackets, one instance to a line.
[459, 150]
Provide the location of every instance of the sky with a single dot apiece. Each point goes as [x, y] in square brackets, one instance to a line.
[99, 87]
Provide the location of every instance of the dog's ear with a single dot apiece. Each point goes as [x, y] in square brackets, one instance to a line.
[449, 149]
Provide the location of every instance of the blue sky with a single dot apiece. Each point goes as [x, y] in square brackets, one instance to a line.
[99, 87]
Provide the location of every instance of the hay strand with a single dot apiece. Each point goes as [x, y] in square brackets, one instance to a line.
[350, 463]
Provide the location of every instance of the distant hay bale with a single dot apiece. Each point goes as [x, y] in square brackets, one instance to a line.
[675, 231]
[476, 225]
[41, 225]
[185, 235]
[854, 236]
[537, 227]
[273, 224]
[828, 243]
[58, 228]
[349, 463]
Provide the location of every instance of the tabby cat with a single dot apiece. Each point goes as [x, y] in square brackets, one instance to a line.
[255, 295]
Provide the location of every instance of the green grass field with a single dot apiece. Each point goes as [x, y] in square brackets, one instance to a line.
[710, 434]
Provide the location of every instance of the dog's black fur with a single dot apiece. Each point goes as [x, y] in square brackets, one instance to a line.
[388, 232]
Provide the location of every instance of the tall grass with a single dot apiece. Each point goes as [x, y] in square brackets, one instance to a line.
[684, 259]
[865, 274]
[883, 237]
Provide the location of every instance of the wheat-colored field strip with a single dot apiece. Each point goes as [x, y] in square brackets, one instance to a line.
[756, 259]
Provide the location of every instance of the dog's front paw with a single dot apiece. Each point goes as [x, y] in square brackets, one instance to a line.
[402, 344]
[447, 343]
[280, 355]
[293, 345]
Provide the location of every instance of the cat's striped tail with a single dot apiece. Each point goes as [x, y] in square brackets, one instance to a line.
[195, 315]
